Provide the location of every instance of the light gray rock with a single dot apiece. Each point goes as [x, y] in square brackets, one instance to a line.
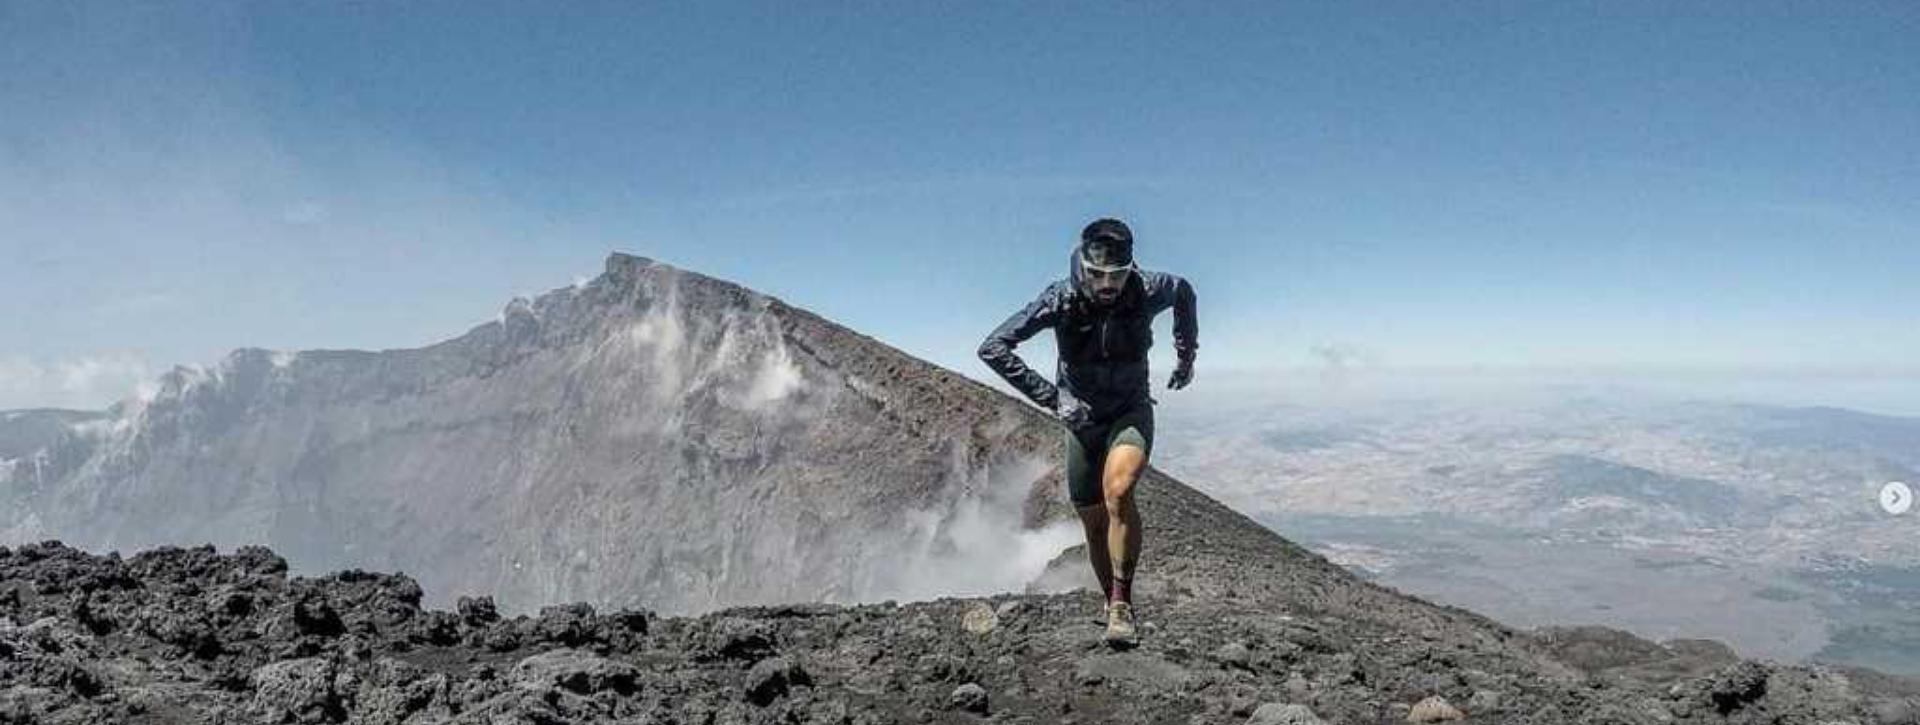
[300, 690]
[969, 697]
[980, 619]
[1274, 713]
[1434, 709]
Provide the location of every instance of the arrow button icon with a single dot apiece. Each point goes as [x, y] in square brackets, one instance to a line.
[1896, 498]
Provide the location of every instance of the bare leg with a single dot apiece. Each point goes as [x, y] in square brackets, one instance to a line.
[1123, 518]
[1094, 520]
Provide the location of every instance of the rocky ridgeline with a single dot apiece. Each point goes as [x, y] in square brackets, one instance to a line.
[193, 636]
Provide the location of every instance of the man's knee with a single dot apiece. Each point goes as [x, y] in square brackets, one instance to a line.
[1119, 501]
[1123, 471]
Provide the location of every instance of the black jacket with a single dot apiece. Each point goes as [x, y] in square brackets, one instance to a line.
[1103, 350]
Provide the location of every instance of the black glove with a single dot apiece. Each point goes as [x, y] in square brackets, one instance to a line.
[1182, 375]
[1071, 411]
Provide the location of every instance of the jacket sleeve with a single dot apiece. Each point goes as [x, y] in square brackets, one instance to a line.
[1169, 290]
[997, 350]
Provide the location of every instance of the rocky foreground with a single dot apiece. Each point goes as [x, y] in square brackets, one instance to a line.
[194, 636]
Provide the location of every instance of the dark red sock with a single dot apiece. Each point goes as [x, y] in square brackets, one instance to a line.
[1122, 591]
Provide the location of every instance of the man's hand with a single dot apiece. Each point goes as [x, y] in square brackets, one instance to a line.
[1182, 375]
[1071, 411]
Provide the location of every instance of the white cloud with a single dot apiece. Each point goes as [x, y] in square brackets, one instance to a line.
[91, 382]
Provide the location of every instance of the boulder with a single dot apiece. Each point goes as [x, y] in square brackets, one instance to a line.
[970, 697]
[1274, 713]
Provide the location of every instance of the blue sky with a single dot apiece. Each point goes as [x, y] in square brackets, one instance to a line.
[1619, 186]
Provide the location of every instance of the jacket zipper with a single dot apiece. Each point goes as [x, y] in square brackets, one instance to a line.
[1103, 337]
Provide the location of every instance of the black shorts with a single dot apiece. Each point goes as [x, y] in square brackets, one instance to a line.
[1087, 450]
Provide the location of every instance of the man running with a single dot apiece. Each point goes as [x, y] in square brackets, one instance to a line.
[1102, 318]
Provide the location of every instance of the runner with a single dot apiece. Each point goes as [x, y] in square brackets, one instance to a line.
[1102, 318]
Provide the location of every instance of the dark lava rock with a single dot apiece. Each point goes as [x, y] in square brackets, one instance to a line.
[566, 624]
[437, 628]
[201, 638]
[1234, 654]
[313, 615]
[477, 611]
[576, 672]
[734, 638]
[773, 678]
[631, 620]
[1738, 686]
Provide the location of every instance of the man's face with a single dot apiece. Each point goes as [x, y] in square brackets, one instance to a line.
[1105, 267]
[1107, 285]
[1105, 282]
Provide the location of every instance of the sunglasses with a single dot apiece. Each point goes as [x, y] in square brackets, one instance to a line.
[1104, 273]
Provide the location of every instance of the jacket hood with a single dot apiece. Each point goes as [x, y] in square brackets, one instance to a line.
[1073, 271]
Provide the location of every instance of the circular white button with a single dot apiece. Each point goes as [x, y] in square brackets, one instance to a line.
[1896, 498]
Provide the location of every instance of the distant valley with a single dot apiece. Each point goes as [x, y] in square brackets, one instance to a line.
[1751, 524]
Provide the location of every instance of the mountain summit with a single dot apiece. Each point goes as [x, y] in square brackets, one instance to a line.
[655, 439]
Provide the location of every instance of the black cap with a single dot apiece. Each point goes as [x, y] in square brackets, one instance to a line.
[1107, 242]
